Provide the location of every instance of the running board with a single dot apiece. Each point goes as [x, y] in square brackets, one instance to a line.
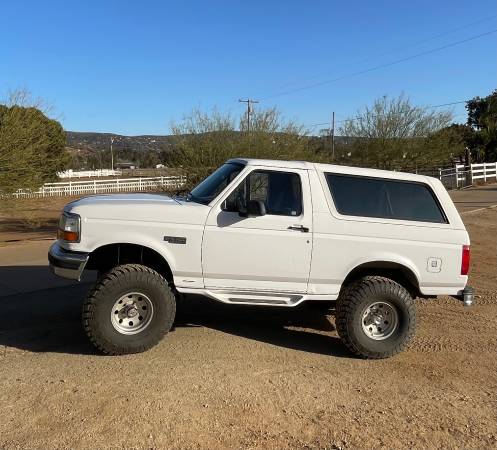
[256, 298]
[262, 298]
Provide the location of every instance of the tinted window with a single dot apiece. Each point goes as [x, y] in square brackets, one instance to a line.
[378, 197]
[281, 192]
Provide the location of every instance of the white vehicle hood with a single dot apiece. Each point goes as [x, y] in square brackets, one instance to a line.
[139, 207]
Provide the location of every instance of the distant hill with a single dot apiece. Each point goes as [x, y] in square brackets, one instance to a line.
[91, 150]
[90, 141]
[100, 141]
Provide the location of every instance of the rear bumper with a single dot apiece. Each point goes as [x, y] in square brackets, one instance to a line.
[467, 296]
[67, 264]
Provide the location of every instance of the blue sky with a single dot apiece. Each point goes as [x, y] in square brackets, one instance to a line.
[131, 67]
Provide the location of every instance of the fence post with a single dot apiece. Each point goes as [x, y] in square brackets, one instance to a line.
[94, 186]
[140, 183]
[70, 187]
[118, 185]
[471, 173]
[485, 172]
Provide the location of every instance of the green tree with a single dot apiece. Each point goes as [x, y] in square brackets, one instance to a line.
[452, 142]
[32, 148]
[482, 117]
[392, 134]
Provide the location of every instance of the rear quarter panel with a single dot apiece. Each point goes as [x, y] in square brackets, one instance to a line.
[341, 243]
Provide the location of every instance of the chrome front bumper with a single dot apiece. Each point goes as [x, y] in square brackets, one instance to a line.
[65, 263]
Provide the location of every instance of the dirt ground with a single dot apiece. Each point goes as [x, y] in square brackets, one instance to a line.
[30, 219]
[258, 378]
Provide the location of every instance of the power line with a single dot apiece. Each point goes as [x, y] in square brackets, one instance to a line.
[381, 66]
[387, 52]
[448, 104]
[352, 119]
[400, 113]
[312, 126]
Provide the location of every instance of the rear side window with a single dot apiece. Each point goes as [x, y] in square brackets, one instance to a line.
[383, 198]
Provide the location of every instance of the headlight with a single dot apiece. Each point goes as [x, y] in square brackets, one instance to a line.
[69, 227]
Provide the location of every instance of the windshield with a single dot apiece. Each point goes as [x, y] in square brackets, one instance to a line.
[208, 189]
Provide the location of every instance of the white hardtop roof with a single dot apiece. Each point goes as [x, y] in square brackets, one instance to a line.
[275, 163]
[350, 170]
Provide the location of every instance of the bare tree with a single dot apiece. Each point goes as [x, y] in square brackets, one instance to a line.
[392, 133]
[23, 97]
[205, 140]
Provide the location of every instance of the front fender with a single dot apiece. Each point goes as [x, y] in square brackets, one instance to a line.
[141, 240]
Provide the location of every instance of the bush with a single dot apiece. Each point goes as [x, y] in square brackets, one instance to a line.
[32, 148]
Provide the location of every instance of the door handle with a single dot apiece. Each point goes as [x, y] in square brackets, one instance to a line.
[299, 228]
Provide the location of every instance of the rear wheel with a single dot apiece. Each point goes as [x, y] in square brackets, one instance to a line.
[129, 310]
[375, 317]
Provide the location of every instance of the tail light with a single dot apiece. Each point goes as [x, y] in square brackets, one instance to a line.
[465, 260]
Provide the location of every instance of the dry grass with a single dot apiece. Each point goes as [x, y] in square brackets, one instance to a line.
[34, 218]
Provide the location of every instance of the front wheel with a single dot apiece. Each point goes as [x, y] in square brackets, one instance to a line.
[375, 317]
[129, 310]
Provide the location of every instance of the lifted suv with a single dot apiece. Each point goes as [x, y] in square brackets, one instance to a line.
[263, 233]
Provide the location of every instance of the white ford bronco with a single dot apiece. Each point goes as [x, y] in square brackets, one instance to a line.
[278, 233]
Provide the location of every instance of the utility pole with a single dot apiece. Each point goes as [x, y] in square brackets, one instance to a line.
[249, 103]
[332, 133]
[111, 153]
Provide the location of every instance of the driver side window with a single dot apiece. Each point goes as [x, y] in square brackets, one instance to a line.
[281, 193]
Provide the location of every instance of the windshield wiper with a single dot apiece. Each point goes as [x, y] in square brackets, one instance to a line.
[192, 198]
[179, 191]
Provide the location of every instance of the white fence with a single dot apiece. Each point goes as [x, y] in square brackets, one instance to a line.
[484, 171]
[461, 175]
[102, 186]
[89, 173]
[453, 178]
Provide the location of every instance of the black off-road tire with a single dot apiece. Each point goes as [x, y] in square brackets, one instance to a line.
[109, 288]
[354, 301]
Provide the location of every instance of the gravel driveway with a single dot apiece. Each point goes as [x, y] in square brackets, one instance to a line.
[241, 377]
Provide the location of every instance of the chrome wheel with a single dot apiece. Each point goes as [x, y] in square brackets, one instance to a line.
[380, 320]
[132, 313]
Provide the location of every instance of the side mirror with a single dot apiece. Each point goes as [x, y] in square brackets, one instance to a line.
[256, 208]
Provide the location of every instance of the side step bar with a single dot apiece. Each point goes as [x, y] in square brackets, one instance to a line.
[262, 298]
[256, 298]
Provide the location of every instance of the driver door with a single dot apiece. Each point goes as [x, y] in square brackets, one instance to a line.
[271, 252]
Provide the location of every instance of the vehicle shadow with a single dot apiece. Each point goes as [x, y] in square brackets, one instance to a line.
[49, 319]
[304, 327]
